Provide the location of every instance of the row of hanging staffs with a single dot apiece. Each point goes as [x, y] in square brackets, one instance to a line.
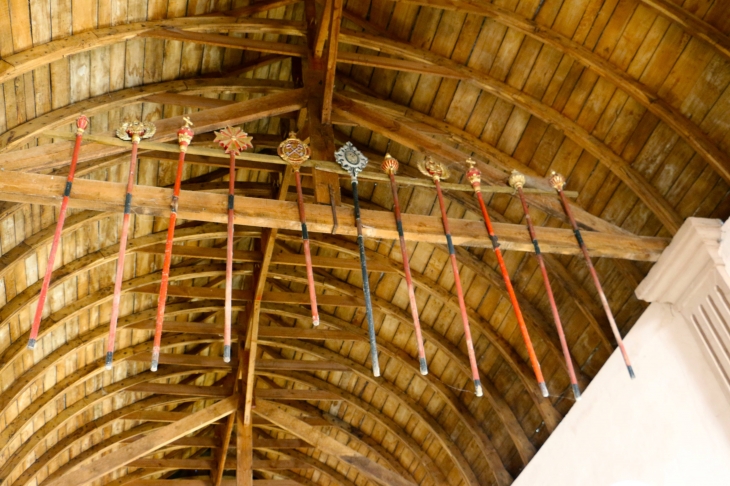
[295, 152]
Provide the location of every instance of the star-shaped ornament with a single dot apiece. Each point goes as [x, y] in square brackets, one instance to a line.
[233, 140]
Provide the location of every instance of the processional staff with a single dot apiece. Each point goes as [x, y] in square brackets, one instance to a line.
[184, 137]
[557, 181]
[517, 181]
[233, 140]
[295, 152]
[134, 131]
[390, 167]
[436, 171]
[353, 161]
[81, 123]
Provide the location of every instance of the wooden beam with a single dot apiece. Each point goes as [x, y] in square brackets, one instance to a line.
[241, 256]
[232, 42]
[264, 331]
[331, 67]
[107, 196]
[322, 29]
[208, 482]
[147, 444]
[184, 390]
[209, 464]
[328, 445]
[248, 295]
[212, 443]
[267, 364]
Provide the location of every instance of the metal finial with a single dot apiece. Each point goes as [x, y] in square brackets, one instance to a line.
[474, 175]
[136, 130]
[187, 121]
[435, 170]
[233, 140]
[389, 165]
[557, 181]
[516, 180]
[351, 159]
[293, 151]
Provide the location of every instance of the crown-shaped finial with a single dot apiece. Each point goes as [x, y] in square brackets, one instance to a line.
[557, 181]
[474, 175]
[136, 130]
[185, 135]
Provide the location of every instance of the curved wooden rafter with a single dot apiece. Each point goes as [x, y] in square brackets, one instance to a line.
[684, 127]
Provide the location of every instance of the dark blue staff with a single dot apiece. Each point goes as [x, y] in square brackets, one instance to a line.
[353, 161]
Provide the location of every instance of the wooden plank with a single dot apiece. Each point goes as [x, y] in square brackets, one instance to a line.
[184, 390]
[265, 331]
[205, 464]
[208, 482]
[106, 196]
[154, 440]
[293, 394]
[231, 42]
[215, 362]
[330, 446]
[298, 365]
[331, 67]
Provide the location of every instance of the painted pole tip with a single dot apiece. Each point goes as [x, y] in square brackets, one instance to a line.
[227, 353]
[478, 388]
[109, 359]
[31, 343]
[315, 321]
[543, 389]
[376, 369]
[154, 365]
[631, 372]
[576, 392]
[424, 367]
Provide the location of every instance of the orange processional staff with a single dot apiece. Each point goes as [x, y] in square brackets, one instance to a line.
[134, 131]
[557, 181]
[436, 171]
[233, 140]
[184, 137]
[390, 167]
[81, 123]
[295, 152]
[517, 181]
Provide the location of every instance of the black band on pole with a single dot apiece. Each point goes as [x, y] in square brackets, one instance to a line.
[230, 201]
[537, 247]
[128, 203]
[495, 241]
[305, 233]
[450, 244]
[67, 192]
[578, 236]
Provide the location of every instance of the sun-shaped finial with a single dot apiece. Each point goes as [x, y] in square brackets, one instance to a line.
[435, 170]
[233, 140]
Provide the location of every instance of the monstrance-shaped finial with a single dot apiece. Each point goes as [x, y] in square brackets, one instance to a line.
[233, 140]
[294, 152]
[351, 159]
[136, 130]
[435, 170]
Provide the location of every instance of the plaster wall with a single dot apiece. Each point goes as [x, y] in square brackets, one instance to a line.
[669, 426]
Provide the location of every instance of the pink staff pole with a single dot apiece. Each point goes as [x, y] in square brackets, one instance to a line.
[437, 172]
[558, 181]
[134, 131]
[233, 140]
[517, 181]
[81, 123]
[390, 167]
[184, 137]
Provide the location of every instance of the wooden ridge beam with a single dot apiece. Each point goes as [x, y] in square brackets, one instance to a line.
[264, 331]
[147, 444]
[207, 464]
[208, 482]
[106, 196]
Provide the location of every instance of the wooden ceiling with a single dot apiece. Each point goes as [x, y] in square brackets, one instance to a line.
[627, 98]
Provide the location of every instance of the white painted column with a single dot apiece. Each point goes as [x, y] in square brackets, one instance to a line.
[671, 425]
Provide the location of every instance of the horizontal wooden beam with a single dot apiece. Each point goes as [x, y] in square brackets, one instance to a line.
[215, 362]
[207, 464]
[264, 332]
[208, 482]
[159, 416]
[226, 391]
[240, 256]
[247, 296]
[198, 206]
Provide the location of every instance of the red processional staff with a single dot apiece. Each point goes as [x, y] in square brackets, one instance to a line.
[557, 181]
[134, 131]
[81, 123]
[436, 172]
[517, 181]
[390, 167]
[295, 152]
[475, 177]
[233, 140]
[184, 137]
